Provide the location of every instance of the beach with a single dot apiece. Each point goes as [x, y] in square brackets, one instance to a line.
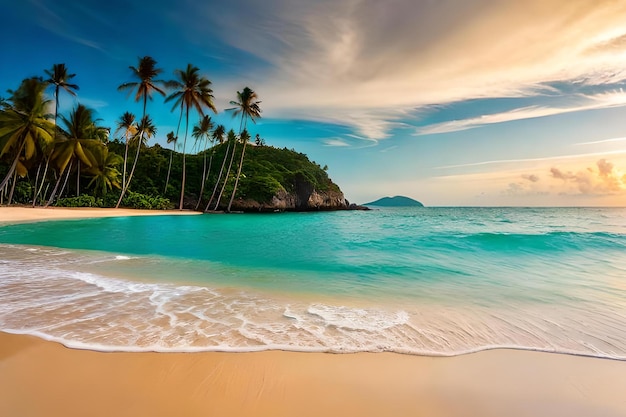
[40, 378]
[33, 214]
[44, 378]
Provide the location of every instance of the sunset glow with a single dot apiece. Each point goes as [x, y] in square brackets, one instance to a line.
[408, 97]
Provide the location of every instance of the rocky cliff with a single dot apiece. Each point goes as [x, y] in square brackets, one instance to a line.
[304, 199]
[284, 180]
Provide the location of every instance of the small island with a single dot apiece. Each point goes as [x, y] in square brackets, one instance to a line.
[397, 201]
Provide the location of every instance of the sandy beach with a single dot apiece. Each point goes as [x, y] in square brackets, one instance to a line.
[43, 378]
[31, 214]
[40, 378]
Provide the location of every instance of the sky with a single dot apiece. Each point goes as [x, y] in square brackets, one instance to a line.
[450, 102]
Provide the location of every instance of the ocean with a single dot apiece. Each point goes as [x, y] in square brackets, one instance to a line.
[425, 281]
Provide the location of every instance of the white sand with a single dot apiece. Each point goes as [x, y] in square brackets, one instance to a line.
[29, 214]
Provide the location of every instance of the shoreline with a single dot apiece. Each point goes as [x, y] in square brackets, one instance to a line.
[39, 377]
[12, 214]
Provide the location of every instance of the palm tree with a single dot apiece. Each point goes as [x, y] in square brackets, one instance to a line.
[81, 137]
[24, 127]
[104, 173]
[145, 86]
[83, 131]
[248, 106]
[171, 138]
[129, 126]
[232, 138]
[145, 131]
[202, 132]
[59, 78]
[191, 90]
[218, 136]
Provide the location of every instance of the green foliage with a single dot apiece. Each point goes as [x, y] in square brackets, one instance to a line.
[34, 152]
[285, 167]
[146, 202]
[131, 200]
[23, 192]
[83, 200]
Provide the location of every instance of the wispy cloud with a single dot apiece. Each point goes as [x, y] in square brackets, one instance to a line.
[341, 58]
[65, 24]
[592, 102]
[527, 160]
[612, 140]
[336, 142]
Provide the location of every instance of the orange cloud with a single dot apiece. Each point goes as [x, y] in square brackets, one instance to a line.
[602, 180]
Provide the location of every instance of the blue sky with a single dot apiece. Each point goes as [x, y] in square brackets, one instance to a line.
[451, 102]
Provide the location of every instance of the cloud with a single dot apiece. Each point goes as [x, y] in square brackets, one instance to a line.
[342, 58]
[605, 168]
[531, 177]
[603, 180]
[592, 102]
[596, 142]
[63, 22]
[581, 180]
[336, 142]
[521, 161]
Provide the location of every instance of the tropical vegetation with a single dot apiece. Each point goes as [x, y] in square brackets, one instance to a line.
[51, 157]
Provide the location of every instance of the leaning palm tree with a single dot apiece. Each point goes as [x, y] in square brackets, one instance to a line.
[191, 90]
[171, 138]
[81, 136]
[231, 138]
[247, 106]
[201, 132]
[218, 136]
[24, 127]
[128, 124]
[59, 78]
[145, 131]
[146, 84]
[83, 132]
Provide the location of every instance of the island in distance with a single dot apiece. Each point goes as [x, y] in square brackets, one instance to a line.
[397, 201]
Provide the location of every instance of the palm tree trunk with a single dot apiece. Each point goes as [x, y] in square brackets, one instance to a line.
[54, 190]
[243, 152]
[230, 164]
[12, 188]
[219, 178]
[132, 171]
[124, 189]
[13, 166]
[182, 187]
[125, 163]
[78, 179]
[67, 177]
[43, 180]
[36, 181]
[205, 174]
[56, 185]
[169, 170]
[232, 196]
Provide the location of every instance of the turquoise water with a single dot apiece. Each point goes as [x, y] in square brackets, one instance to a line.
[437, 281]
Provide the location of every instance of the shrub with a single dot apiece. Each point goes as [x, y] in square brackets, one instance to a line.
[146, 202]
[83, 200]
